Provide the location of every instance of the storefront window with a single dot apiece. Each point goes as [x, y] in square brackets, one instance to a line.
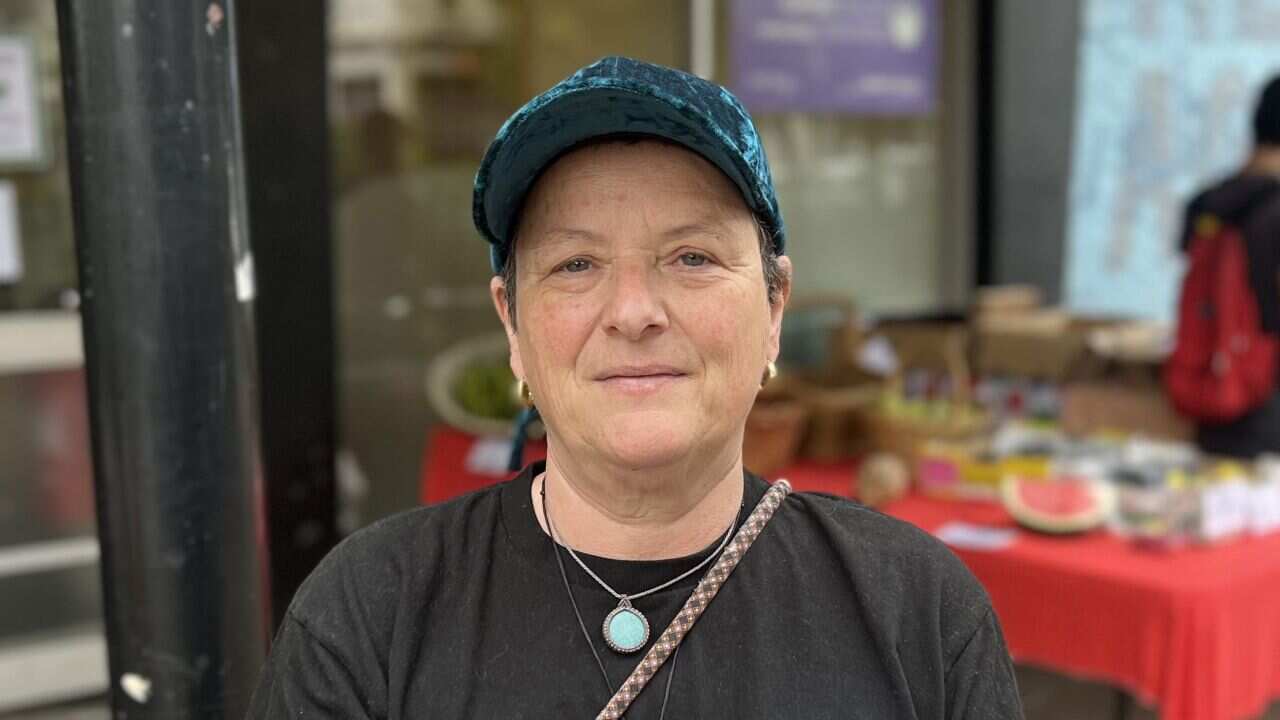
[37, 257]
[51, 643]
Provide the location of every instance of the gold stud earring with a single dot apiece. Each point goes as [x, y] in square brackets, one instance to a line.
[770, 372]
[524, 393]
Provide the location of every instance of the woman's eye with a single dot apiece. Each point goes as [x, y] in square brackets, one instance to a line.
[576, 265]
[692, 259]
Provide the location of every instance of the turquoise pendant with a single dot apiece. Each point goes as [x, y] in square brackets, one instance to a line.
[626, 629]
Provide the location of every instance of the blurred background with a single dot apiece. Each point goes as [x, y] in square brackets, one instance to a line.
[984, 201]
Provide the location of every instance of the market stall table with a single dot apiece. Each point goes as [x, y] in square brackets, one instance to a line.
[1194, 632]
[455, 463]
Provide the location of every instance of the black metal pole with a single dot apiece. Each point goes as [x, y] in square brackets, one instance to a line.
[167, 284]
[985, 146]
[283, 54]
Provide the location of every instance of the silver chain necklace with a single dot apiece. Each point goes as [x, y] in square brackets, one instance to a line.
[626, 629]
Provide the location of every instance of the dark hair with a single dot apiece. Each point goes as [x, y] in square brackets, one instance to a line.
[768, 258]
[1266, 118]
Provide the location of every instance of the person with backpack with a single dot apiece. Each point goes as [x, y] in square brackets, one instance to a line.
[1223, 372]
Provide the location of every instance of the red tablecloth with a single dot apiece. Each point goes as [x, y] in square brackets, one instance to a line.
[1194, 632]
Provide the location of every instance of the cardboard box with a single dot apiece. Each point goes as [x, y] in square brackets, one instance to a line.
[1134, 408]
[926, 345]
[1049, 347]
[1006, 298]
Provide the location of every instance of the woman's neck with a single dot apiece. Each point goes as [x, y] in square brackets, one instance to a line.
[639, 515]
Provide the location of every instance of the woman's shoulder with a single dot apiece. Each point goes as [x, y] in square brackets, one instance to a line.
[369, 571]
[854, 522]
[916, 596]
[891, 560]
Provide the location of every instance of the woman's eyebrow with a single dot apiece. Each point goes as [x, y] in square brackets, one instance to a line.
[570, 233]
[552, 239]
[695, 228]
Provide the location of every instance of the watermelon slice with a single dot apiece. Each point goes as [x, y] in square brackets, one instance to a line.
[1059, 505]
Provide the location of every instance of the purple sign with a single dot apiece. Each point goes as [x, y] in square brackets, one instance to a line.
[876, 57]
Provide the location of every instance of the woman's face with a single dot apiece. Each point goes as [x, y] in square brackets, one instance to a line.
[643, 322]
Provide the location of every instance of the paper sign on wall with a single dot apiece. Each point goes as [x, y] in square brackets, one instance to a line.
[874, 57]
[10, 242]
[21, 130]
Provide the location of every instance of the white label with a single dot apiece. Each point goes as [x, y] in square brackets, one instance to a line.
[489, 456]
[1264, 514]
[1224, 510]
[976, 537]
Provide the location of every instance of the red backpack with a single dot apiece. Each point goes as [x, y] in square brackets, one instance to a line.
[1223, 364]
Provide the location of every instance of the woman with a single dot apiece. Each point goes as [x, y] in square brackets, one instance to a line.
[637, 248]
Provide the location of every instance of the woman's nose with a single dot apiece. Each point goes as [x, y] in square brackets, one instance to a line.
[634, 307]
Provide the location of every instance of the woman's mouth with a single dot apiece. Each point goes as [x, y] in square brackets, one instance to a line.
[640, 380]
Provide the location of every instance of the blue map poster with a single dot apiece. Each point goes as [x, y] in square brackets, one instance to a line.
[1164, 97]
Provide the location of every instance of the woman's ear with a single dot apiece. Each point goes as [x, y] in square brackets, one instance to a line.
[779, 304]
[498, 293]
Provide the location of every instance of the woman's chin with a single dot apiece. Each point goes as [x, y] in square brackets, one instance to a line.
[640, 440]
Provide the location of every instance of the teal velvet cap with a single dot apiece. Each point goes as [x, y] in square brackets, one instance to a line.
[620, 96]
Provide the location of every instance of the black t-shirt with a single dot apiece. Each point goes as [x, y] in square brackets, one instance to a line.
[459, 611]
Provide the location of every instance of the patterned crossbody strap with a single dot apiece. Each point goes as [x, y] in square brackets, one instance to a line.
[697, 602]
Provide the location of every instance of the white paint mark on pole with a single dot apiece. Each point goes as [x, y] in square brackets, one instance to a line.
[246, 288]
[136, 686]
